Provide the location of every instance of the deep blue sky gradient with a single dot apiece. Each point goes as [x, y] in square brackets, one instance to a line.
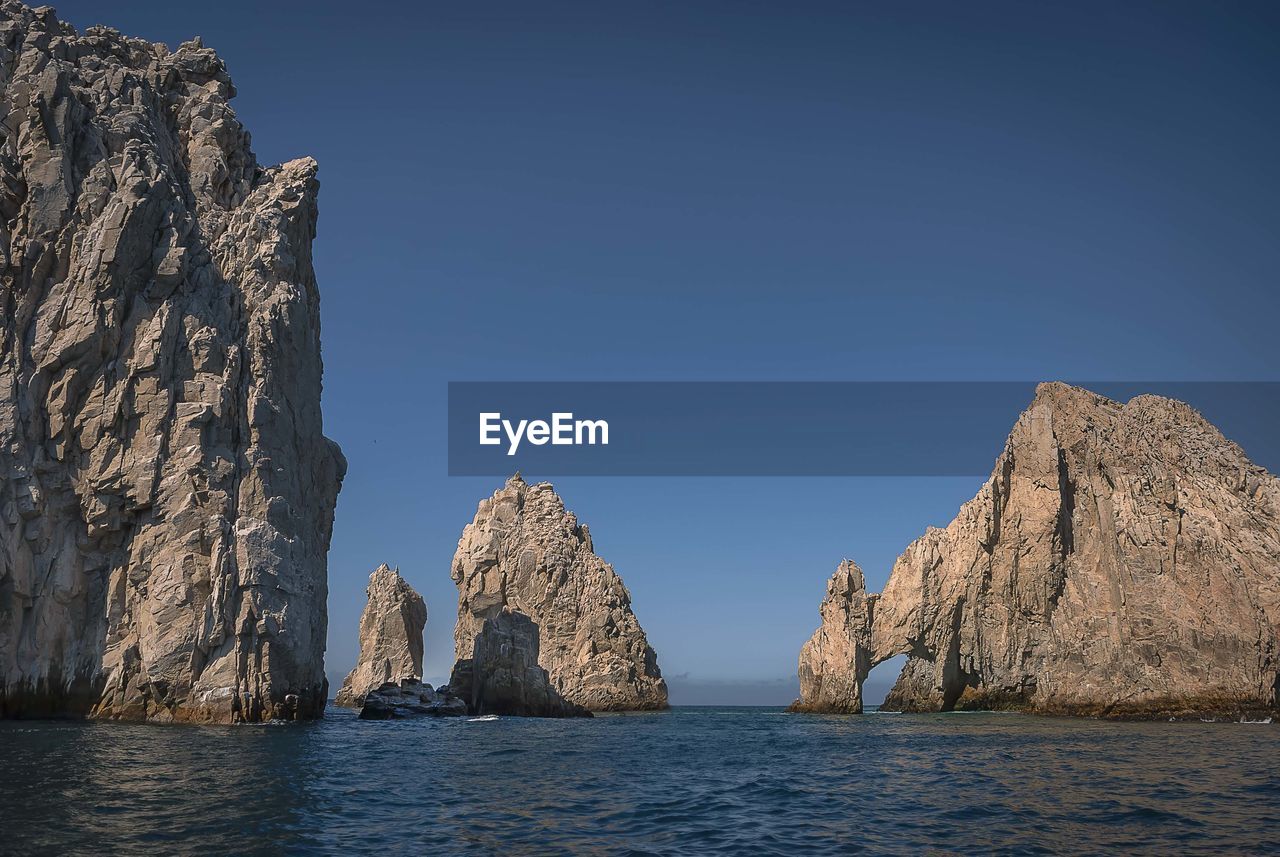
[746, 190]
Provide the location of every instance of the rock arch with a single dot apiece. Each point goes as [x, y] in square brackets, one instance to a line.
[1121, 560]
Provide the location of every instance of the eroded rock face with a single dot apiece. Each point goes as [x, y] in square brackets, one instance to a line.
[168, 495]
[839, 653]
[1122, 560]
[390, 637]
[525, 552]
[504, 675]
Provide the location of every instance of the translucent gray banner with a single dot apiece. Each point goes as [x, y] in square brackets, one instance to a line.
[788, 428]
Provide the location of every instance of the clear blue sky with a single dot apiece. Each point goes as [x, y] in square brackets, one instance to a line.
[745, 190]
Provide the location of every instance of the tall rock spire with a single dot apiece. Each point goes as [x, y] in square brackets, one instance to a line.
[390, 637]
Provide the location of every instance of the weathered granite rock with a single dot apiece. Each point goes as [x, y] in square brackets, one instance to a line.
[1123, 560]
[390, 637]
[839, 653]
[505, 677]
[524, 551]
[168, 496]
[409, 697]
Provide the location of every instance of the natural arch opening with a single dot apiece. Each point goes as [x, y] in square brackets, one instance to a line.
[880, 680]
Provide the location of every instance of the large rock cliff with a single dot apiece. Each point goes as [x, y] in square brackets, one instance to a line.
[1122, 560]
[168, 496]
[390, 637]
[525, 552]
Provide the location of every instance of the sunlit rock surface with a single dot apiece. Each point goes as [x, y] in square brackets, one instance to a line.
[523, 551]
[1123, 560]
[390, 637]
[168, 494]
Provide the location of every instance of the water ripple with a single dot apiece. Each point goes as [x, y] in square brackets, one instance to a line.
[707, 781]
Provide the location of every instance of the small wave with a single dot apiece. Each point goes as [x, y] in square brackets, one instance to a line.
[483, 718]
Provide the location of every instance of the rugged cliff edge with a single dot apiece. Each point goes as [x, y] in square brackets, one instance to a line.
[1123, 560]
[390, 637]
[523, 551]
[168, 495]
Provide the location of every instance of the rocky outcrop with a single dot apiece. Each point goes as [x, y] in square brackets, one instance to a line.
[390, 637]
[834, 661]
[168, 496]
[503, 676]
[523, 551]
[396, 700]
[1122, 560]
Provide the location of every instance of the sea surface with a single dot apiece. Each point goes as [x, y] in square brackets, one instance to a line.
[688, 781]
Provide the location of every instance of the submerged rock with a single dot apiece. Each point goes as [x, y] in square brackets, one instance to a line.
[523, 551]
[1123, 560]
[168, 495]
[390, 637]
[410, 698]
[505, 677]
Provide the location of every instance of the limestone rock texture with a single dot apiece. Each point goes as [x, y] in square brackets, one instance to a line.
[390, 637]
[168, 494]
[840, 650]
[1122, 560]
[523, 551]
[505, 677]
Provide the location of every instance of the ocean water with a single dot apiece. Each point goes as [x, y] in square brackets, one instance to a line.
[688, 781]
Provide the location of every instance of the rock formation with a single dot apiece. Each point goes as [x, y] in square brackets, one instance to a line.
[837, 658]
[409, 697]
[168, 496]
[503, 676]
[1123, 560]
[525, 552]
[390, 637]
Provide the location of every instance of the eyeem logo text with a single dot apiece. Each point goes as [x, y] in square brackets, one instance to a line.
[563, 430]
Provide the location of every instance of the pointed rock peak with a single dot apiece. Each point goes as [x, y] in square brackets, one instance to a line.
[836, 659]
[849, 577]
[390, 637]
[385, 575]
[524, 552]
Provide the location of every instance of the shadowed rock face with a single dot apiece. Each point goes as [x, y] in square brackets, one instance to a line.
[525, 552]
[396, 700]
[390, 637]
[1122, 560]
[503, 675]
[168, 495]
